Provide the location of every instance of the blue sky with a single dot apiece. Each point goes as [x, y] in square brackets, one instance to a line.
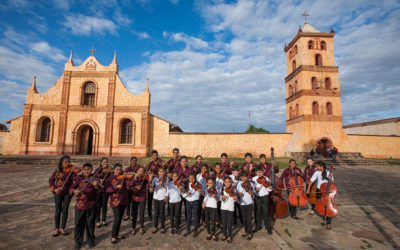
[209, 62]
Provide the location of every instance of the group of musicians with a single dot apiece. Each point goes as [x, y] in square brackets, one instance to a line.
[213, 196]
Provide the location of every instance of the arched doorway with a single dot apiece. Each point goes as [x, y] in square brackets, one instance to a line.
[85, 140]
[323, 145]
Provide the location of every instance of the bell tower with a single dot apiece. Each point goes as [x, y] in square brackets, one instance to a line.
[312, 89]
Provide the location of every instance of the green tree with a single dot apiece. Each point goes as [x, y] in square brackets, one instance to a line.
[3, 127]
[253, 129]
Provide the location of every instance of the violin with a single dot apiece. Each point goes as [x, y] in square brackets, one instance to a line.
[263, 181]
[297, 197]
[163, 181]
[231, 191]
[222, 176]
[326, 206]
[128, 175]
[247, 187]
[213, 192]
[180, 185]
[140, 181]
[196, 186]
[73, 168]
[204, 176]
[278, 207]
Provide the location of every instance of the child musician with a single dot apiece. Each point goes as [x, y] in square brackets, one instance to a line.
[116, 186]
[192, 197]
[85, 189]
[152, 167]
[211, 197]
[102, 172]
[308, 172]
[319, 177]
[228, 198]
[174, 198]
[59, 183]
[219, 182]
[235, 180]
[160, 195]
[263, 187]
[225, 165]
[197, 166]
[202, 179]
[249, 165]
[139, 185]
[246, 192]
[133, 166]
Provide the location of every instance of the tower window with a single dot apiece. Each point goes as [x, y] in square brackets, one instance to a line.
[328, 84]
[314, 83]
[293, 65]
[329, 108]
[295, 49]
[89, 91]
[290, 113]
[296, 86]
[290, 90]
[318, 60]
[297, 110]
[315, 108]
[310, 44]
[323, 45]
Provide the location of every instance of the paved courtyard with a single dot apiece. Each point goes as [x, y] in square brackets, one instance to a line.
[369, 217]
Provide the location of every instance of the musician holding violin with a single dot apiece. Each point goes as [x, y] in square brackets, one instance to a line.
[197, 166]
[139, 185]
[116, 186]
[262, 190]
[235, 180]
[133, 166]
[225, 165]
[321, 178]
[249, 165]
[192, 196]
[85, 189]
[173, 161]
[245, 188]
[267, 166]
[308, 172]
[175, 188]
[59, 183]
[102, 172]
[152, 168]
[202, 179]
[209, 206]
[228, 199]
[160, 189]
[287, 174]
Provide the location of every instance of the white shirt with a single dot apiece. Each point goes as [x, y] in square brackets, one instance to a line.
[219, 183]
[317, 178]
[263, 190]
[209, 200]
[227, 204]
[194, 195]
[246, 198]
[174, 194]
[159, 191]
[234, 181]
[203, 182]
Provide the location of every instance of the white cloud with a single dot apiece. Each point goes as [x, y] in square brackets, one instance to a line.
[87, 25]
[51, 52]
[190, 41]
[12, 93]
[142, 35]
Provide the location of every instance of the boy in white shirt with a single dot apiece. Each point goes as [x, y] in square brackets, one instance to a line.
[159, 186]
[211, 198]
[174, 199]
[263, 187]
[192, 197]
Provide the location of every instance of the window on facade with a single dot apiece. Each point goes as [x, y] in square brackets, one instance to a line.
[318, 60]
[295, 49]
[314, 83]
[89, 92]
[290, 90]
[296, 87]
[297, 110]
[328, 83]
[315, 108]
[290, 113]
[329, 108]
[310, 44]
[293, 65]
[43, 130]
[323, 45]
[126, 132]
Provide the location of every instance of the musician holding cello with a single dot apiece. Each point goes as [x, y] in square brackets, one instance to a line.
[321, 178]
[59, 183]
[288, 173]
[308, 172]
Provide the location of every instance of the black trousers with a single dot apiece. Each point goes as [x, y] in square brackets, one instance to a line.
[262, 204]
[237, 214]
[219, 218]
[85, 220]
[180, 208]
[61, 206]
[130, 204]
[227, 217]
[247, 213]
[174, 214]
[201, 211]
[192, 209]
[102, 200]
[211, 219]
[149, 204]
[159, 212]
[118, 214]
[138, 207]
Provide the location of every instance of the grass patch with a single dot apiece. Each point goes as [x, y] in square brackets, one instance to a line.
[368, 244]
[369, 212]
[312, 246]
[288, 233]
[362, 247]
[379, 241]
[290, 245]
[11, 201]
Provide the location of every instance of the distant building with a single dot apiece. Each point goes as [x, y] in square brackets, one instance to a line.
[389, 127]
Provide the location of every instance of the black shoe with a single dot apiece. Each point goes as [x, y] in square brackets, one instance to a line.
[91, 245]
[269, 231]
[195, 233]
[224, 238]
[151, 218]
[215, 238]
[187, 233]
[208, 237]
[257, 229]
[78, 245]
[229, 241]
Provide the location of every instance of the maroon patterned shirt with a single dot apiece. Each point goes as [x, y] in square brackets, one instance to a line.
[118, 197]
[87, 198]
[57, 179]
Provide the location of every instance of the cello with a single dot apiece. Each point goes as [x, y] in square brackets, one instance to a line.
[297, 197]
[326, 206]
[279, 205]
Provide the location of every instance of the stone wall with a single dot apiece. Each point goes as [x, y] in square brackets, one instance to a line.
[375, 146]
[389, 128]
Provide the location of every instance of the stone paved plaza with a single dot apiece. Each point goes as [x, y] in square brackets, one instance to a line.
[369, 217]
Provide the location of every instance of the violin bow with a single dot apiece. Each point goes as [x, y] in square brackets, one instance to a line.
[69, 175]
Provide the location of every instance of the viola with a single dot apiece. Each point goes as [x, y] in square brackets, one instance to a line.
[278, 206]
[196, 186]
[326, 206]
[231, 191]
[297, 197]
[263, 181]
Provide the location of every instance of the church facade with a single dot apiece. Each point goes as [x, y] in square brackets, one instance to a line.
[89, 111]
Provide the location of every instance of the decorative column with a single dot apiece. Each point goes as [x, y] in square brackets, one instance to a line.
[26, 124]
[110, 113]
[62, 128]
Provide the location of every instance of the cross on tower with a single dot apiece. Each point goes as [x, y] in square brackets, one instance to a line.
[305, 16]
[93, 50]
